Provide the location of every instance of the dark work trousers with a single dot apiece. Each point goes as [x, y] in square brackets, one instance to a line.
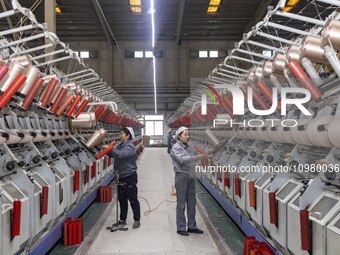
[186, 196]
[128, 191]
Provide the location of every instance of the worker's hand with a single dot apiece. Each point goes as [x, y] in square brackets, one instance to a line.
[173, 192]
[104, 146]
[200, 156]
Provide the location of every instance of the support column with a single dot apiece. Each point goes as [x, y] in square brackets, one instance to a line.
[50, 15]
[51, 21]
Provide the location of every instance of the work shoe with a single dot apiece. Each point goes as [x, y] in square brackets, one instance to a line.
[136, 224]
[182, 233]
[120, 223]
[195, 231]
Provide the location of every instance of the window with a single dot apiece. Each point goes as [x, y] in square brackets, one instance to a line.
[143, 54]
[268, 53]
[148, 54]
[158, 127]
[213, 54]
[139, 54]
[206, 53]
[149, 128]
[85, 54]
[154, 117]
[203, 54]
[154, 125]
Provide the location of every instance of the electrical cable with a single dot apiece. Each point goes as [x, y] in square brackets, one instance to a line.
[147, 212]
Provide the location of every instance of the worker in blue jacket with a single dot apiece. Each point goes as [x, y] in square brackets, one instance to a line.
[124, 155]
[183, 157]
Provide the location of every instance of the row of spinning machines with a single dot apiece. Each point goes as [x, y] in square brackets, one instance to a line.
[296, 205]
[296, 202]
[51, 127]
[46, 168]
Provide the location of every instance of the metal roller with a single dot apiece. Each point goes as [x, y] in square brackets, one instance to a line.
[84, 120]
[14, 70]
[32, 74]
[331, 34]
[293, 53]
[211, 137]
[311, 49]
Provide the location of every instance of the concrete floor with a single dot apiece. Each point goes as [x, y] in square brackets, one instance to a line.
[157, 235]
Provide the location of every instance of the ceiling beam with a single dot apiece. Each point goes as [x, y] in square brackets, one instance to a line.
[258, 15]
[105, 26]
[180, 21]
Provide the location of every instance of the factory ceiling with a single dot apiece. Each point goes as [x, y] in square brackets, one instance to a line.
[175, 20]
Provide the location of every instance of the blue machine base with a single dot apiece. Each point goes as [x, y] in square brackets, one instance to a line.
[244, 224]
[48, 241]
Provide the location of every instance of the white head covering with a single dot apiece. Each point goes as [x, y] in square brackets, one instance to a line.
[180, 130]
[131, 132]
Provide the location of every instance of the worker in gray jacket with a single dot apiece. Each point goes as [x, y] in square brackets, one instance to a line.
[183, 158]
[124, 155]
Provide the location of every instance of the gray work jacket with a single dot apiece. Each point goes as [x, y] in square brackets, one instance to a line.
[124, 155]
[183, 158]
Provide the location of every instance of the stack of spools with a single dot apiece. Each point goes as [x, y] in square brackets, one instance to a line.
[105, 194]
[254, 247]
[73, 231]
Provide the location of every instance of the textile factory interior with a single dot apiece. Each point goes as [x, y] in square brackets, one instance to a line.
[170, 127]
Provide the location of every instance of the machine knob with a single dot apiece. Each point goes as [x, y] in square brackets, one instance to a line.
[21, 135]
[231, 149]
[253, 128]
[21, 163]
[241, 152]
[43, 133]
[60, 133]
[293, 163]
[36, 159]
[263, 128]
[34, 134]
[281, 162]
[54, 154]
[286, 129]
[5, 135]
[300, 128]
[321, 128]
[52, 133]
[66, 132]
[273, 128]
[76, 149]
[10, 166]
[67, 151]
[253, 154]
[270, 159]
[45, 157]
[329, 175]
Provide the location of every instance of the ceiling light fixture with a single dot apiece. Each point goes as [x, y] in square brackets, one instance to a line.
[152, 13]
[135, 2]
[290, 5]
[213, 6]
[135, 6]
[57, 9]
